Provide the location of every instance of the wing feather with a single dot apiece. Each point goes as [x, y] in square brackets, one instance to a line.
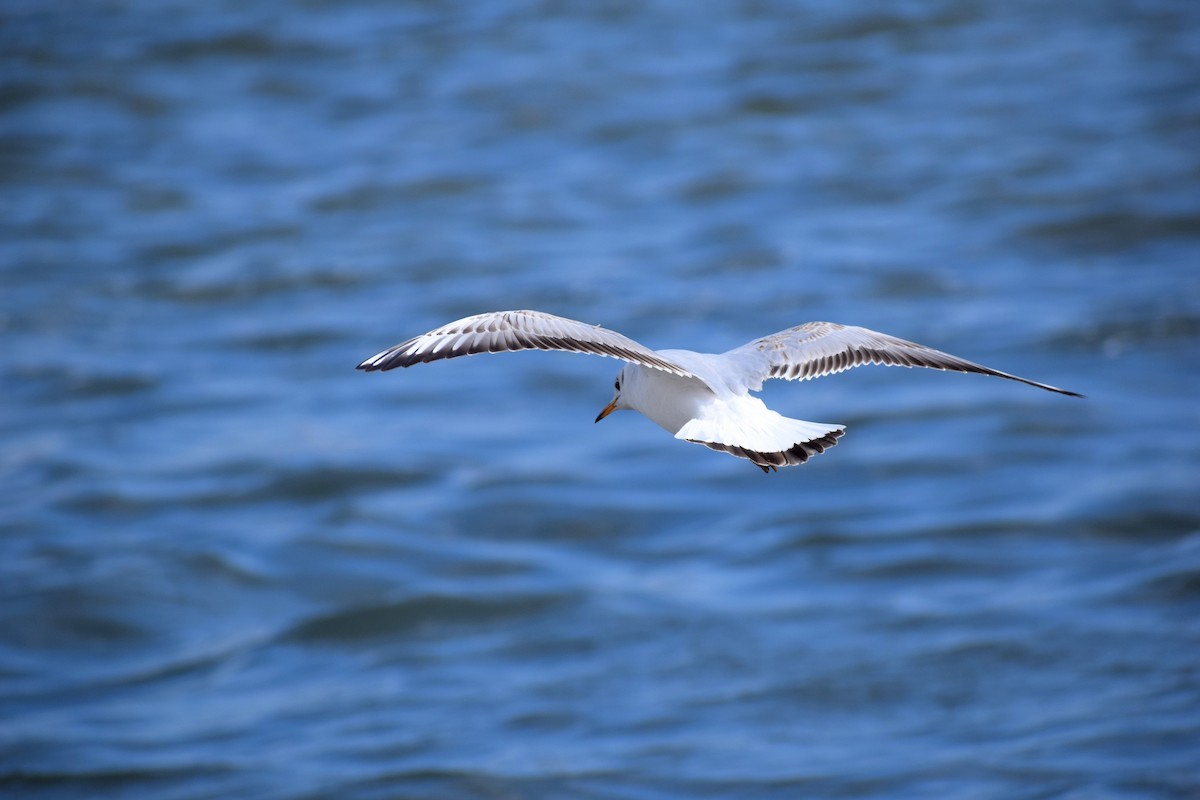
[502, 331]
[816, 349]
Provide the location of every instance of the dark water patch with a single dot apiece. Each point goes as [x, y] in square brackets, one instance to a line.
[113, 670]
[1176, 585]
[87, 621]
[860, 686]
[1148, 523]
[558, 643]
[203, 287]
[236, 486]
[855, 27]
[1104, 232]
[543, 722]
[1051, 430]
[374, 196]
[430, 615]
[295, 341]
[715, 187]
[141, 104]
[225, 569]
[911, 283]
[83, 628]
[15, 94]
[1163, 327]
[157, 200]
[973, 656]
[80, 383]
[771, 105]
[96, 386]
[498, 517]
[251, 46]
[894, 567]
[19, 156]
[323, 483]
[212, 245]
[281, 87]
[163, 781]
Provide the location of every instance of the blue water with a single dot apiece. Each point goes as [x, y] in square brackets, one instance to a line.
[233, 566]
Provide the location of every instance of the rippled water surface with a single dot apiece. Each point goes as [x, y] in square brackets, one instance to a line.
[233, 566]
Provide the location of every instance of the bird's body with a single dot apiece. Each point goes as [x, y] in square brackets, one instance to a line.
[698, 397]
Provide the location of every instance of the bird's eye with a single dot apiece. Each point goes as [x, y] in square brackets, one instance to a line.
[617, 384]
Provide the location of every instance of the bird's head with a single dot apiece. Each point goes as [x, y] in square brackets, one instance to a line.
[616, 401]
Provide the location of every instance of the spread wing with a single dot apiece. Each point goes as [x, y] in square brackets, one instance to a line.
[825, 348]
[498, 331]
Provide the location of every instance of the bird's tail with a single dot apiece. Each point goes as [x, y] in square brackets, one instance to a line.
[766, 438]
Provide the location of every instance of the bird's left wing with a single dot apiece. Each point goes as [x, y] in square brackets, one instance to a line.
[499, 331]
[825, 348]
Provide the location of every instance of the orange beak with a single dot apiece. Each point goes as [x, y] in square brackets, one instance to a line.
[608, 409]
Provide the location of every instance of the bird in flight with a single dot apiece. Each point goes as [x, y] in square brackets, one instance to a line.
[704, 398]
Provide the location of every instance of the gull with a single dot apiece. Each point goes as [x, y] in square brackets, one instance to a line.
[704, 398]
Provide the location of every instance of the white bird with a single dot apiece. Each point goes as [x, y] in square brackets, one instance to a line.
[699, 397]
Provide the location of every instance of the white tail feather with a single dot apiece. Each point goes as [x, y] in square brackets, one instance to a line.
[747, 423]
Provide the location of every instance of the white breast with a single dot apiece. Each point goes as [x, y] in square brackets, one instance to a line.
[670, 401]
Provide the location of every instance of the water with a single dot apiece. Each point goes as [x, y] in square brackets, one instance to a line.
[232, 566]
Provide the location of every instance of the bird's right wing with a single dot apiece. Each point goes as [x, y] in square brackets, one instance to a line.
[499, 331]
[825, 348]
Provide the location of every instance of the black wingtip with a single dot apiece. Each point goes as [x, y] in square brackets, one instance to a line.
[374, 364]
[1036, 385]
[382, 362]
